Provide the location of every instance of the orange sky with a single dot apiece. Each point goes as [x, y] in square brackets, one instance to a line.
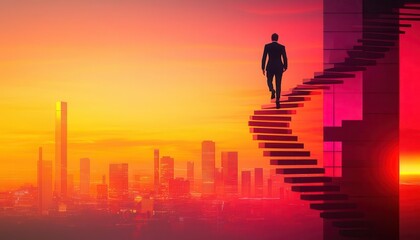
[139, 76]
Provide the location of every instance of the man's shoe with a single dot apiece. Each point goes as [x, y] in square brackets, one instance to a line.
[277, 105]
[273, 94]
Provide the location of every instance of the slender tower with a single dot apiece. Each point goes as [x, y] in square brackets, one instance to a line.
[44, 184]
[84, 177]
[61, 150]
[156, 170]
[208, 162]
[190, 174]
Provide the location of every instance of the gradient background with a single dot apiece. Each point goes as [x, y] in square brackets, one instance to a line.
[164, 74]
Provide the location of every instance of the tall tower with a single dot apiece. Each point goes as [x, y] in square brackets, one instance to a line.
[84, 176]
[166, 172]
[156, 170]
[246, 183]
[190, 174]
[61, 150]
[44, 184]
[208, 158]
[118, 181]
[259, 182]
[230, 172]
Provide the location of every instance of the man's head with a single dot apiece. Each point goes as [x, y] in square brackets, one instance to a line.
[275, 37]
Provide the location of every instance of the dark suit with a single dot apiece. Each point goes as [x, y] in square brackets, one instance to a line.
[277, 63]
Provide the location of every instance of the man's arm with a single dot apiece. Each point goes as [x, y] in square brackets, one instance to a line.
[284, 59]
[264, 58]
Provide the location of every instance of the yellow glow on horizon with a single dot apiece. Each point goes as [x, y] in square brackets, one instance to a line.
[409, 165]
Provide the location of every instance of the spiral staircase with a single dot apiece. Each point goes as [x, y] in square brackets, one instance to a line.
[272, 127]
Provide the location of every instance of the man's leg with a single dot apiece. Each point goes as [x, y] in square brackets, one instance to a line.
[279, 76]
[270, 76]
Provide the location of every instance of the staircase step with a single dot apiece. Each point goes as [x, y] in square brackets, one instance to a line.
[289, 100]
[297, 162]
[334, 75]
[381, 36]
[283, 105]
[287, 153]
[338, 68]
[410, 7]
[270, 118]
[275, 138]
[382, 30]
[322, 188]
[384, 24]
[274, 112]
[359, 62]
[307, 179]
[271, 130]
[317, 81]
[268, 124]
[302, 93]
[365, 54]
[352, 224]
[371, 48]
[299, 99]
[376, 43]
[309, 87]
[332, 206]
[300, 170]
[341, 215]
[323, 197]
[356, 233]
[280, 145]
[403, 18]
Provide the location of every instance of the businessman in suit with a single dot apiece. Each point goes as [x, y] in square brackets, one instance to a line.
[276, 65]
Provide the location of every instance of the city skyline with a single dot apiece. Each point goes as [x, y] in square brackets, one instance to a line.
[127, 112]
[152, 120]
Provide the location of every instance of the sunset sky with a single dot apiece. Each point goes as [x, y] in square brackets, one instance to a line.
[139, 75]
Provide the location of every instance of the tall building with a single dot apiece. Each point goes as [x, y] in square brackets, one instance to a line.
[84, 176]
[166, 172]
[102, 190]
[218, 181]
[61, 150]
[156, 170]
[44, 184]
[230, 172]
[179, 187]
[246, 183]
[190, 174]
[259, 182]
[208, 163]
[118, 181]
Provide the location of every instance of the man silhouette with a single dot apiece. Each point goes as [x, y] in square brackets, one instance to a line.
[275, 66]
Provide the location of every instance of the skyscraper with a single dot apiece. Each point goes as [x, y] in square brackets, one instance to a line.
[166, 172]
[61, 150]
[230, 172]
[102, 190]
[84, 176]
[246, 183]
[259, 182]
[44, 184]
[208, 159]
[218, 181]
[190, 174]
[156, 170]
[179, 187]
[118, 181]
